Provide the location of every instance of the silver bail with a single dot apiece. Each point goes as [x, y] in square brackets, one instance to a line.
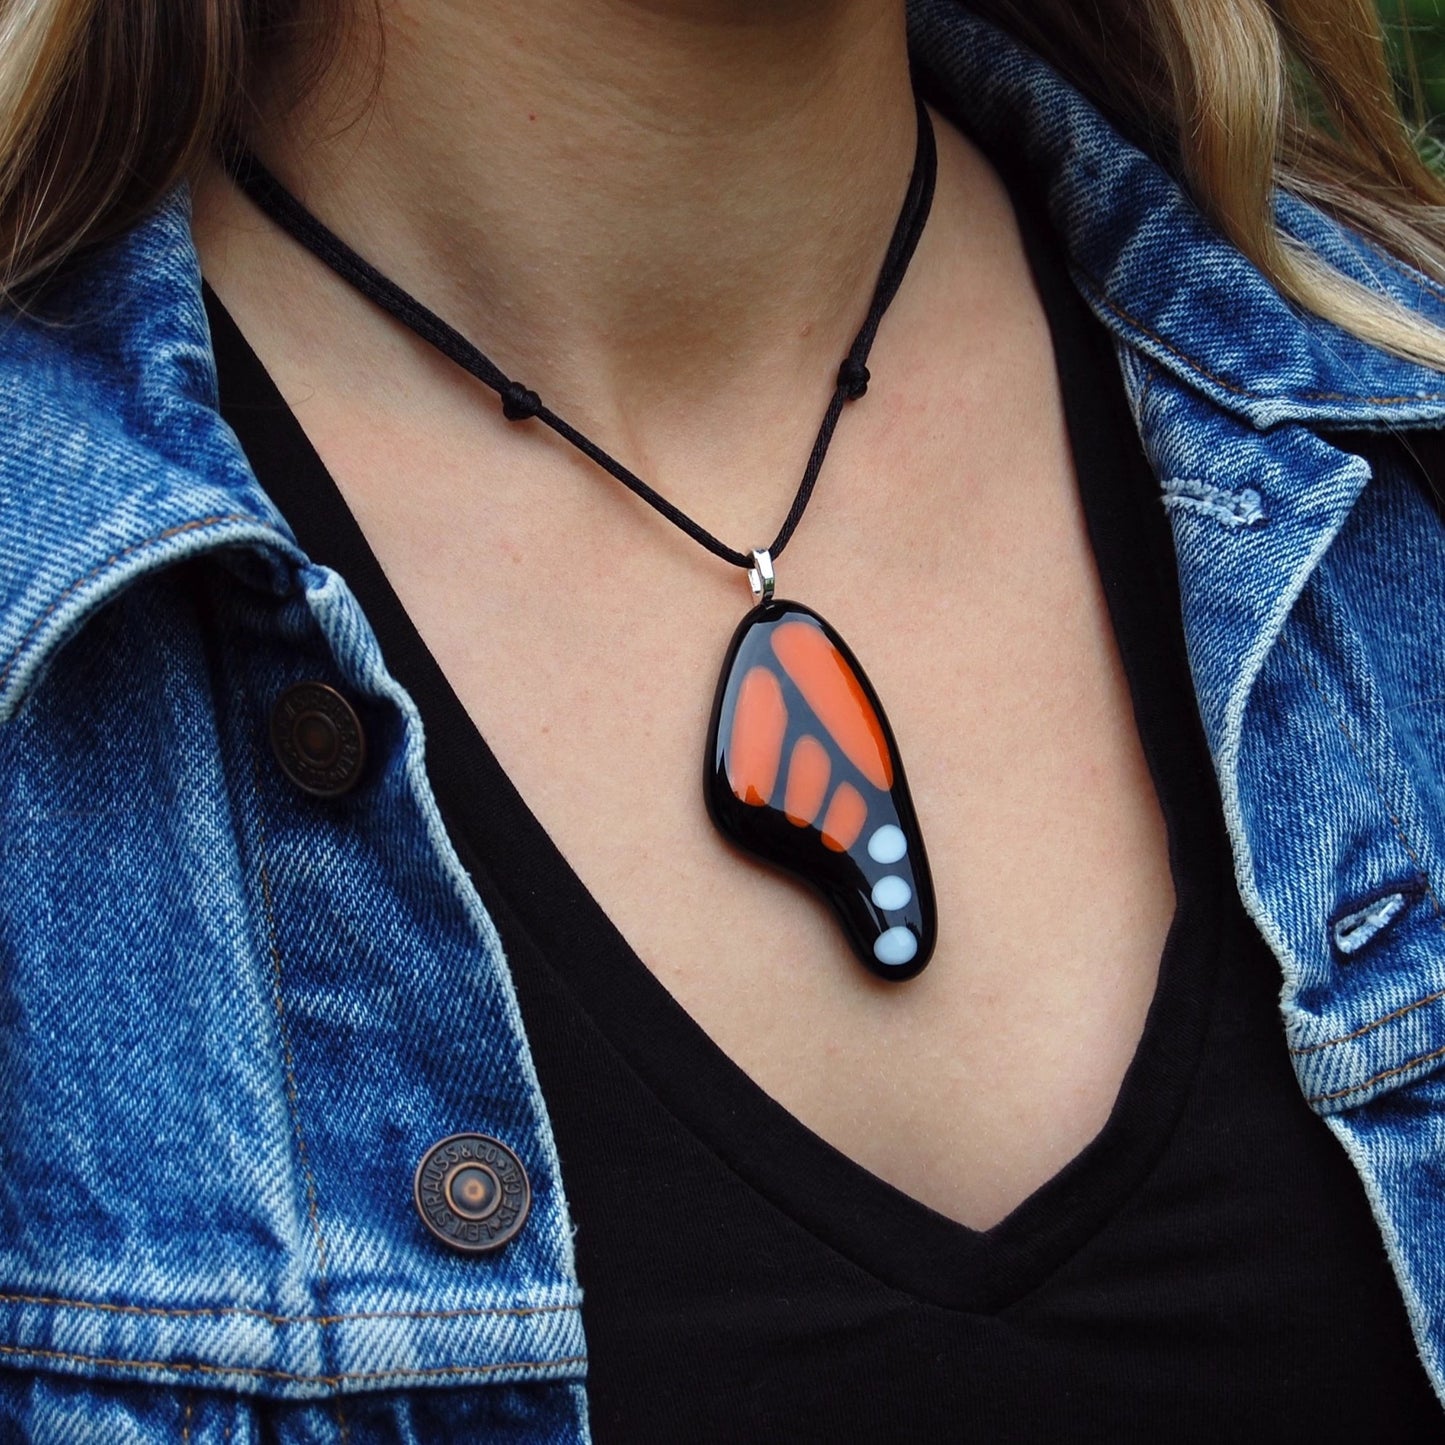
[760, 575]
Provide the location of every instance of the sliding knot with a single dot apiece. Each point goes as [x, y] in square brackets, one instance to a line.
[853, 378]
[519, 404]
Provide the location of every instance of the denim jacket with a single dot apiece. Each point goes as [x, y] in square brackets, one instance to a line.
[234, 1016]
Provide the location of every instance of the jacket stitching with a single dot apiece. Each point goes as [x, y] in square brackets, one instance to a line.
[1375, 1078]
[1374, 1024]
[1414, 858]
[1130, 319]
[186, 1423]
[293, 1098]
[195, 1367]
[59, 601]
[187, 1312]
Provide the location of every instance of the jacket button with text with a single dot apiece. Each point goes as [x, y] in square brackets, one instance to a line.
[318, 739]
[472, 1192]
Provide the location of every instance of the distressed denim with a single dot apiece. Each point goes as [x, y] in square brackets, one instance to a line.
[233, 1016]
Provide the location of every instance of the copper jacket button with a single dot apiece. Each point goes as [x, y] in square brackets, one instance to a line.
[317, 739]
[472, 1192]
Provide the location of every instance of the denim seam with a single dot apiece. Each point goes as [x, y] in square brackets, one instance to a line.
[1376, 1078]
[1129, 319]
[293, 1098]
[1373, 1024]
[114, 559]
[1424, 878]
[188, 1312]
[195, 1367]
[186, 1422]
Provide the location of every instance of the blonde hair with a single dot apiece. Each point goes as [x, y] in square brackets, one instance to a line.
[1249, 94]
[104, 106]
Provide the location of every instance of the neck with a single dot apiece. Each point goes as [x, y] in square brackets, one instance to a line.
[649, 199]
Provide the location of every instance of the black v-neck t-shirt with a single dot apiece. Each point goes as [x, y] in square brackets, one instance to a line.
[1205, 1269]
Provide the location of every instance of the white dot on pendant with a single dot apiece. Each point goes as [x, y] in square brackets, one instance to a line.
[887, 845]
[891, 893]
[895, 946]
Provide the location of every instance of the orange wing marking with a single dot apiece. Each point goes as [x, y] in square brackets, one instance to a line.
[844, 819]
[755, 748]
[833, 692]
[808, 774]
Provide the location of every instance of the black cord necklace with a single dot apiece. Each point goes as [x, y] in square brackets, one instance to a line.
[801, 767]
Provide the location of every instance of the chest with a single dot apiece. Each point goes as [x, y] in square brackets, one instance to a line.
[583, 636]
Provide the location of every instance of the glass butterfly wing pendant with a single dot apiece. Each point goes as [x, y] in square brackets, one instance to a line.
[802, 771]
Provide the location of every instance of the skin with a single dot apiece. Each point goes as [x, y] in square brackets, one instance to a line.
[667, 216]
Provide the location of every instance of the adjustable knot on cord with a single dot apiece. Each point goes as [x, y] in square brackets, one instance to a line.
[852, 378]
[518, 403]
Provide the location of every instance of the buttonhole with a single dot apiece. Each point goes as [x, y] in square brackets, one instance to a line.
[1363, 922]
[1242, 508]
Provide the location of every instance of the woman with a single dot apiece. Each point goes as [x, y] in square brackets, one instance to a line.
[307, 1027]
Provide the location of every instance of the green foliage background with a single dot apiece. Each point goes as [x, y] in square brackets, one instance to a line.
[1417, 33]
